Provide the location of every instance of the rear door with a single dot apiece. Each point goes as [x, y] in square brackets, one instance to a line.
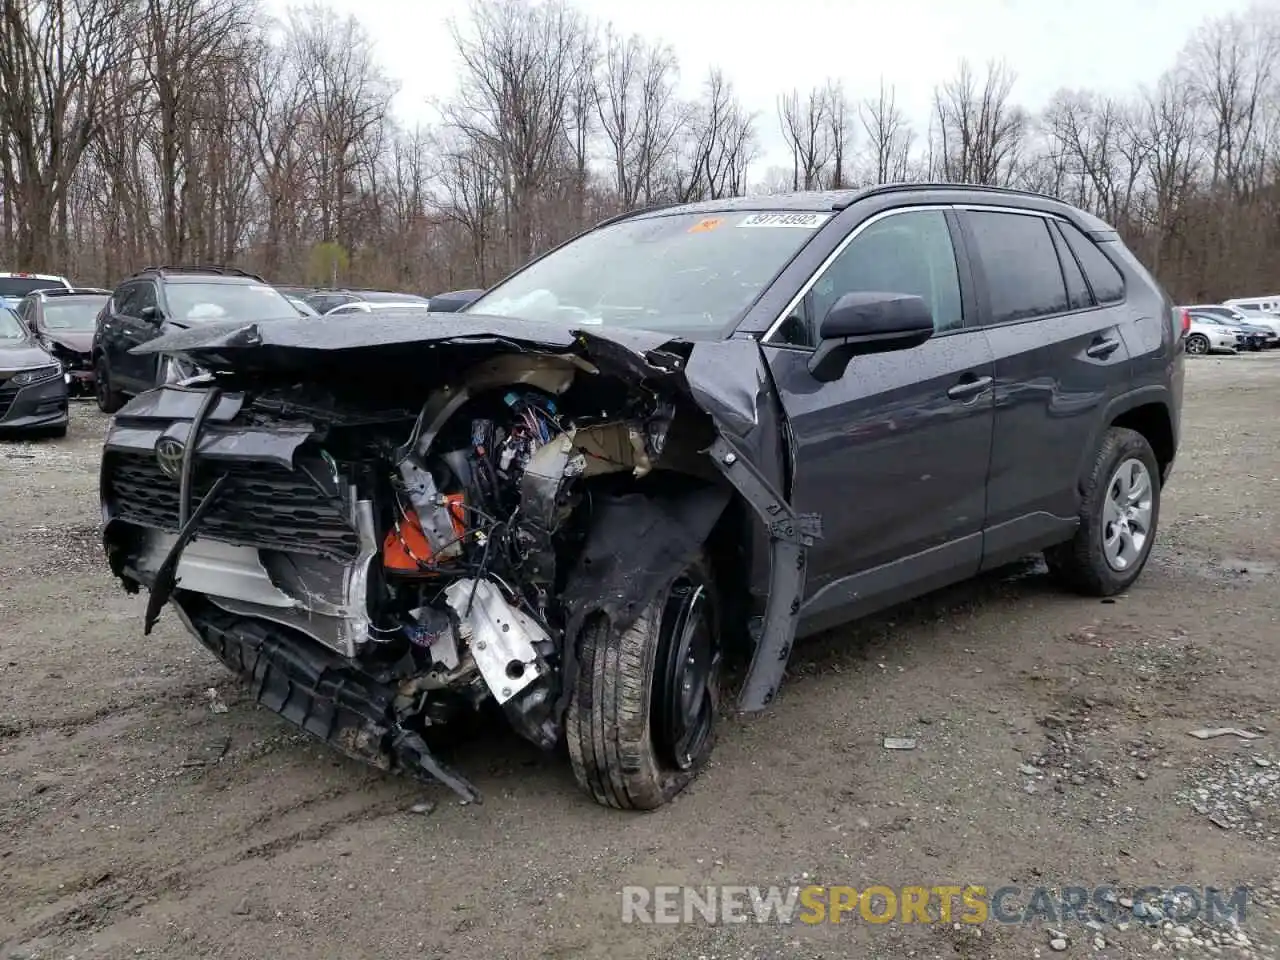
[1060, 357]
[894, 454]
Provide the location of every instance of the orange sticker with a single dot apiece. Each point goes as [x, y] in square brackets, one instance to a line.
[702, 226]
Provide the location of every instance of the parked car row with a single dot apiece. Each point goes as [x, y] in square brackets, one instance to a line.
[1233, 326]
[59, 341]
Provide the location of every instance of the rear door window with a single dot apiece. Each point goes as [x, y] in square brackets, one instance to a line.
[1024, 277]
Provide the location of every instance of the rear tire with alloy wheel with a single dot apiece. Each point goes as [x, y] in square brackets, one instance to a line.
[1198, 344]
[642, 721]
[109, 399]
[1119, 514]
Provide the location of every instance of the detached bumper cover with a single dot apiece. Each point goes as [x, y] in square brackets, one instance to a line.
[324, 694]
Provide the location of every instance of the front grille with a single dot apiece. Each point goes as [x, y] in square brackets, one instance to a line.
[266, 506]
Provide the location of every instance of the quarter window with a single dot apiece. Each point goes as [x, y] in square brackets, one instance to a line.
[907, 252]
[1107, 281]
[1078, 295]
[1024, 278]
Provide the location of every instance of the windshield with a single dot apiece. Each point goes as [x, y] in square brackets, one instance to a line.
[10, 328]
[691, 273]
[79, 314]
[21, 286]
[195, 302]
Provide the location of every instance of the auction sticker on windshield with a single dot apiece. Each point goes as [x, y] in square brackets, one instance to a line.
[805, 221]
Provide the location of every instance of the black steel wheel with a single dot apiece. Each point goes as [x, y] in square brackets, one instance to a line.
[642, 721]
[109, 399]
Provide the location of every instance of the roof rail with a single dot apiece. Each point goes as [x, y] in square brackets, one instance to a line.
[215, 268]
[73, 292]
[883, 188]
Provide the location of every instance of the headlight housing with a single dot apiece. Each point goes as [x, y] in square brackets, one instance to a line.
[36, 375]
[176, 370]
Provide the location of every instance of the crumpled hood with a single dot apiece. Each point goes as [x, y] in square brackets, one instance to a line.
[727, 378]
[77, 341]
[20, 354]
[239, 344]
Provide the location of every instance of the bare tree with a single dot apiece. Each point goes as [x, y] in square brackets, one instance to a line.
[889, 137]
[1100, 149]
[1233, 74]
[806, 129]
[840, 118]
[55, 60]
[345, 100]
[980, 130]
[638, 114]
[1171, 126]
[721, 144]
[520, 70]
[189, 53]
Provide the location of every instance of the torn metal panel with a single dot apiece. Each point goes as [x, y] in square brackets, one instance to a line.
[503, 641]
[168, 403]
[790, 535]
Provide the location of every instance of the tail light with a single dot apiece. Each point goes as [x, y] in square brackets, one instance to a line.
[1186, 321]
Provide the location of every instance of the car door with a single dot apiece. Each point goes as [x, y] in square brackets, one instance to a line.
[894, 454]
[1060, 357]
[128, 330]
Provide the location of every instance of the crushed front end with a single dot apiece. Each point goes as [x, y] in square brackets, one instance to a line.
[375, 556]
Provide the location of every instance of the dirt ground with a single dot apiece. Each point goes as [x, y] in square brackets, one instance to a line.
[138, 819]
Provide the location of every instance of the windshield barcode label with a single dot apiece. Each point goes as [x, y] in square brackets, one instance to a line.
[805, 221]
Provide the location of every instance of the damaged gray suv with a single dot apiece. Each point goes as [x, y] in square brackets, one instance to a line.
[689, 435]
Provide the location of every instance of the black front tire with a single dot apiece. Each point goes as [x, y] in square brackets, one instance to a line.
[109, 398]
[1081, 563]
[618, 726]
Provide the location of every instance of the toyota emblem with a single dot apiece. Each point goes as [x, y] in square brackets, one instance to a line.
[169, 455]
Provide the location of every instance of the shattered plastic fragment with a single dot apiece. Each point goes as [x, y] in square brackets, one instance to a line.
[1209, 733]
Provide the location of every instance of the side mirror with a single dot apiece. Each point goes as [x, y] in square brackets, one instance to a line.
[453, 301]
[152, 314]
[861, 323]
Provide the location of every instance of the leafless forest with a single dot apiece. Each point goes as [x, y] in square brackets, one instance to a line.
[140, 131]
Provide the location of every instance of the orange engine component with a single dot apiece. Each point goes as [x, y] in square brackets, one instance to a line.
[406, 548]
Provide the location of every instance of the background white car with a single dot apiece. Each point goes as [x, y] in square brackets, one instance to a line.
[1206, 336]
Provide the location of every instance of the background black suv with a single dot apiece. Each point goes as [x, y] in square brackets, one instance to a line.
[162, 299]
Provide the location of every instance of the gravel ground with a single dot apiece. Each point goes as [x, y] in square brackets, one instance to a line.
[138, 817]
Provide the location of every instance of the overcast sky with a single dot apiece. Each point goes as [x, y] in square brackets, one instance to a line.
[766, 48]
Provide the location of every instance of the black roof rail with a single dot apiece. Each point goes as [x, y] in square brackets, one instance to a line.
[74, 292]
[882, 188]
[214, 268]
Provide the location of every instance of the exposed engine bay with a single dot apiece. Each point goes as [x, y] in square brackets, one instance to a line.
[378, 557]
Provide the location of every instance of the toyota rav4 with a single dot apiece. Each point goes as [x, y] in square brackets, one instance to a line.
[686, 435]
